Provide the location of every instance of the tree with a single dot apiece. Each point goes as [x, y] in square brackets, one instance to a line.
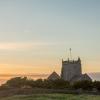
[17, 82]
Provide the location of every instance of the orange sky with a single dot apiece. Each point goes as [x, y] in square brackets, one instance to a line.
[36, 34]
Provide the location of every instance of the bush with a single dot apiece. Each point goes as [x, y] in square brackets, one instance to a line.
[96, 84]
[85, 85]
[17, 82]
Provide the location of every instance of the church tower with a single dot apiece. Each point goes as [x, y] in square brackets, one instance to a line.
[71, 68]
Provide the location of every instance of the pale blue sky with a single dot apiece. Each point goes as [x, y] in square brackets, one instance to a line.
[38, 32]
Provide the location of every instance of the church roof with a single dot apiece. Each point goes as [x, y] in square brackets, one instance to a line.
[81, 78]
[86, 77]
[54, 76]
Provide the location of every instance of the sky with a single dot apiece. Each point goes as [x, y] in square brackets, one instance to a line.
[36, 34]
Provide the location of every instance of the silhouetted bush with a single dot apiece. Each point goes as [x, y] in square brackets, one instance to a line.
[60, 84]
[85, 85]
[96, 84]
[19, 82]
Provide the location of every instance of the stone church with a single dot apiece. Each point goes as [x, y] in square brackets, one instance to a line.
[71, 71]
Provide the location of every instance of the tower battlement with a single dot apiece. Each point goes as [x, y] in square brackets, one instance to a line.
[71, 61]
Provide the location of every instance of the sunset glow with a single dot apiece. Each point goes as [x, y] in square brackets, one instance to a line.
[36, 34]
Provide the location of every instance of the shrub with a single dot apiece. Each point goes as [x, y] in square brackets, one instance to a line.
[85, 85]
[96, 84]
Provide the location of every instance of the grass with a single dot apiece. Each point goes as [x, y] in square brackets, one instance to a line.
[52, 97]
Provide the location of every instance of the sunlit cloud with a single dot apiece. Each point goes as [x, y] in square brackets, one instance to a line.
[22, 45]
[27, 75]
[10, 46]
[18, 45]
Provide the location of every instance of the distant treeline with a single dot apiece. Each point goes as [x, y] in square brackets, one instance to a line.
[19, 82]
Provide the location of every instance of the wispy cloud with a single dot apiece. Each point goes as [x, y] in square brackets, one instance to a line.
[11, 46]
[95, 75]
[22, 45]
[28, 75]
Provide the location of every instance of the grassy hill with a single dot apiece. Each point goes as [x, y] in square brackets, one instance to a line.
[52, 97]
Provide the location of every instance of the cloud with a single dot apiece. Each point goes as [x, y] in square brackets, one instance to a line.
[22, 45]
[11, 46]
[26, 45]
[28, 75]
[95, 75]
